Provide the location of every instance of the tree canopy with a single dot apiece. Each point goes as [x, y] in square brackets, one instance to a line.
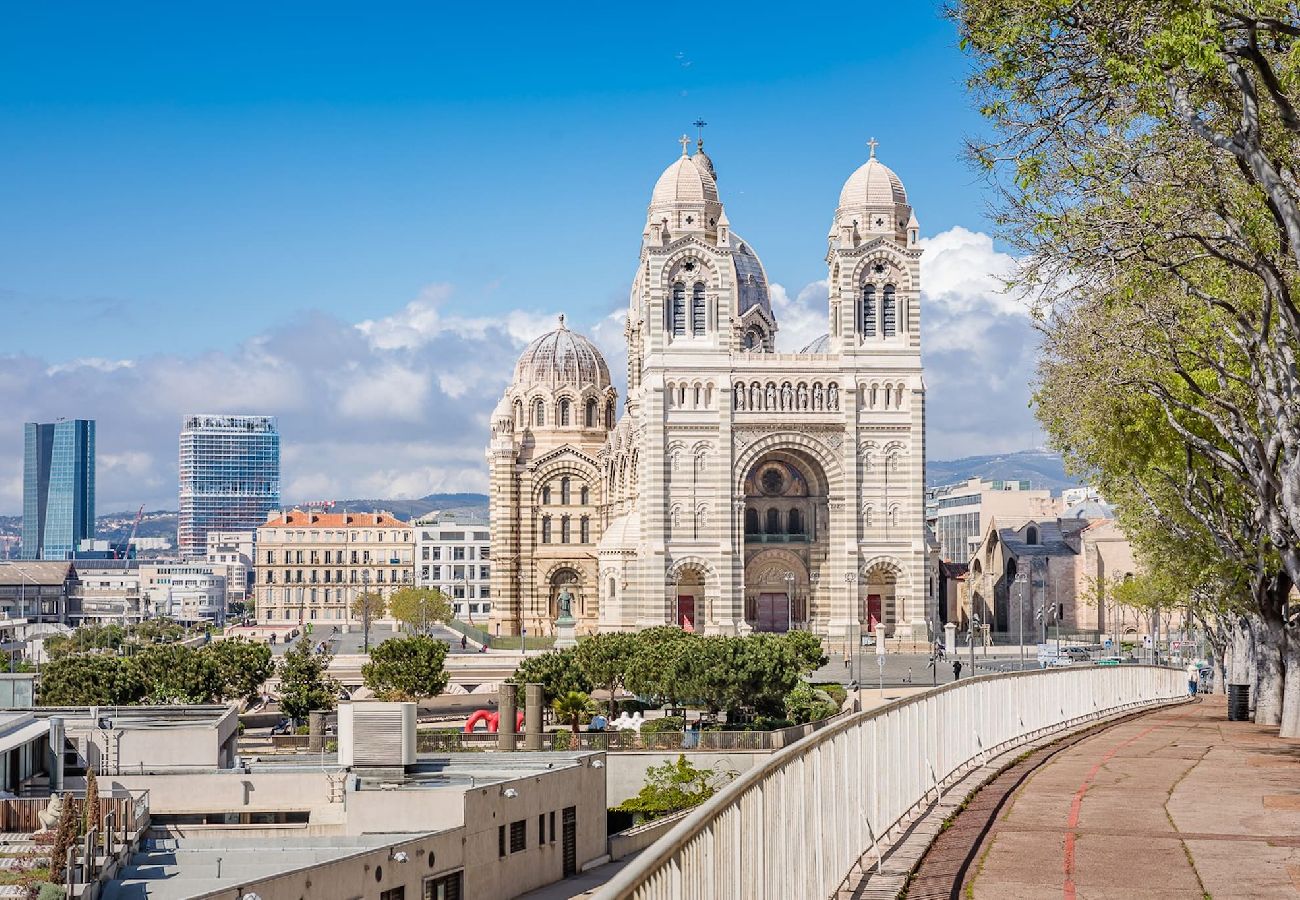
[419, 608]
[305, 682]
[407, 668]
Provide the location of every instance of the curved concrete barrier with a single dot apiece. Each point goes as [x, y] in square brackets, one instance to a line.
[796, 825]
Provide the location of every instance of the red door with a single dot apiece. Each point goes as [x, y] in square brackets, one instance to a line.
[686, 613]
[773, 613]
[873, 611]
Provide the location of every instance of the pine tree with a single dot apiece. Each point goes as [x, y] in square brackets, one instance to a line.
[92, 806]
[64, 837]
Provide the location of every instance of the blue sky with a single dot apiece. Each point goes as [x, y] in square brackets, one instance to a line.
[178, 182]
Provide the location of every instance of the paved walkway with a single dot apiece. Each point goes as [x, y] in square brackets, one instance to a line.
[1178, 803]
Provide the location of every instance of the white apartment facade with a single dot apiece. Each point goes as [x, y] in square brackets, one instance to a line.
[455, 558]
[232, 553]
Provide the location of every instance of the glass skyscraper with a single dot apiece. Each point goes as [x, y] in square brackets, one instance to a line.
[58, 487]
[230, 476]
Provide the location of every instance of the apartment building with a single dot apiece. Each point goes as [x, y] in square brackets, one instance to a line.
[454, 557]
[959, 513]
[311, 566]
[231, 553]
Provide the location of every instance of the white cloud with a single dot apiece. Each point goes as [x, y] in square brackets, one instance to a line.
[402, 411]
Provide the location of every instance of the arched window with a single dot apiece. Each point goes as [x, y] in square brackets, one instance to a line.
[584, 530]
[539, 413]
[889, 313]
[611, 587]
[751, 520]
[678, 311]
[591, 413]
[796, 522]
[519, 414]
[564, 530]
[564, 490]
[697, 309]
[546, 529]
[564, 411]
[1031, 536]
[609, 414]
[773, 521]
[546, 495]
[869, 310]
[584, 496]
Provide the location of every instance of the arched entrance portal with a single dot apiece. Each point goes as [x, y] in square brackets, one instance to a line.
[786, 537]
[878, 606]
[688, 608]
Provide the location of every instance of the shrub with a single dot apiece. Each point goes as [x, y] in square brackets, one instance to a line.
[662, 725]
[561, 740]
[47, 891]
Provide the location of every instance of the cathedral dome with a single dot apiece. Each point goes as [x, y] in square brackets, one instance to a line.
[873, 184]
[685, 181]
[702, 160]
[559, 358]
[820, 345]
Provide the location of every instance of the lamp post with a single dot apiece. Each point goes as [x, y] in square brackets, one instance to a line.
[365, 610]
[1021, 581]
[850, 581]
[974, 628]
[789, 601]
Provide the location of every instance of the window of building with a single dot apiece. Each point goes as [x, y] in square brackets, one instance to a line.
[1031, 536]
[541, 829]
[869, 310]
[564, 530]
[546, 495]
[697, 309]
[501, 840]
[564, 491]
[584, 495]
[518, 835]
[585, 531]
[679, 310]
[751, 520]
[591, 414]
[609, 414]
[796, 522]
[484, 591]
[564, 411]
[539, 413]
[484, 572]
[773, 521]
[457, 552]
[546, 529]
[484, 552]
[889, 312]
[443, 887]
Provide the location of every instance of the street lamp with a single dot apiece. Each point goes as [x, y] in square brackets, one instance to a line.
[789, 601]
[365, 610]
[1021, 580]
[974, 628]
[851, 580]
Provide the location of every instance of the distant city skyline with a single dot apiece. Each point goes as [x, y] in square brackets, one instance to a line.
[58, 488]
[356, 228]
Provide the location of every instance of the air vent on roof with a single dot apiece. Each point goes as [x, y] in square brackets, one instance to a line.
[376, 735]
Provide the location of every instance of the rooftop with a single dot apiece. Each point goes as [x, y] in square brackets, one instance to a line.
[333, 520]
[32, 572]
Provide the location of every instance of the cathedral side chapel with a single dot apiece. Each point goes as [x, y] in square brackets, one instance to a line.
[740, 489]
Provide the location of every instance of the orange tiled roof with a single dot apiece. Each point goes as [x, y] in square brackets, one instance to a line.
[335, 520]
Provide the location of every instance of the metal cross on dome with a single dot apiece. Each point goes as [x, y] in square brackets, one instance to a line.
[873, 144]
[685, 142]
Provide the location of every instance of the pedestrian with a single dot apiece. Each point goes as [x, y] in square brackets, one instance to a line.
[956, 669]
[464, 642]
[1193, 679]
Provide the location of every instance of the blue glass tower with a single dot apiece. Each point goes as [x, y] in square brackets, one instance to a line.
[58, 488]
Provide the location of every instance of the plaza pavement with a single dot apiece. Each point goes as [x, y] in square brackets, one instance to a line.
[1178, 803]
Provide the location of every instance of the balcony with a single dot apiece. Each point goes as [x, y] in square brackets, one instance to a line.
[777, 538]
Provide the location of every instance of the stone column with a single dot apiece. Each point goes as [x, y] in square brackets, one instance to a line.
[532, 717]
[315, 731]
[506, 694]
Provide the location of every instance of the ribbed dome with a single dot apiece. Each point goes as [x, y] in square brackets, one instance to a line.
[684, 182]
[873, 184]
[561, 357]
[820, 345]
[622, 534]
[702, 160]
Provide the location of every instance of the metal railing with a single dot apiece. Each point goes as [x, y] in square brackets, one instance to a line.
[615, 741]
[796, 825]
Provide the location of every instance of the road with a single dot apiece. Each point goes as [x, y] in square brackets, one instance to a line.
[352, 641]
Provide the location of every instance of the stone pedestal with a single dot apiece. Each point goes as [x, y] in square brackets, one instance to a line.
[566, 632]
[950, 639]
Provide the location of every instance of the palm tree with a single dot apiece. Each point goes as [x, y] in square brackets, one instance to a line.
[572, 707]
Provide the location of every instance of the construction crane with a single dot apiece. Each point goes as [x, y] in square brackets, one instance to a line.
[135, 526]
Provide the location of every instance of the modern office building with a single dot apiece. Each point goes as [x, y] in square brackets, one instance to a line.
[454, 557]
[229, 474]
[233, 551]
[58, 488]
[958, 513]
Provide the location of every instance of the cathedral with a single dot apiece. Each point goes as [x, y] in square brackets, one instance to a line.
[739, 489]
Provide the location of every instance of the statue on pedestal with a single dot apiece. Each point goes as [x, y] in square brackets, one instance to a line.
[51, 814]
[565, 624]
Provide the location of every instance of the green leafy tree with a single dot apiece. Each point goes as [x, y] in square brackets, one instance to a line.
[574, 707]
[419, 608]
[673, 787]
[244, 666]
[407, 668]
[368, 607]
[604, 658]
[174, 673]
[659, 663]
[84, 639]
[557, 671]
[807, 704]
[91, 679]
[305, 682]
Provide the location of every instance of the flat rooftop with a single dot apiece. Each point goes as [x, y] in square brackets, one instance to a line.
[176, 868]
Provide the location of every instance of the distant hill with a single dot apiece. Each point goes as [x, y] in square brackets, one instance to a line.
[1043, 468]
[456, 505]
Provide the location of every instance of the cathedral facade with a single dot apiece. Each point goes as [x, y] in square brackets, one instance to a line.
[740, 489]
